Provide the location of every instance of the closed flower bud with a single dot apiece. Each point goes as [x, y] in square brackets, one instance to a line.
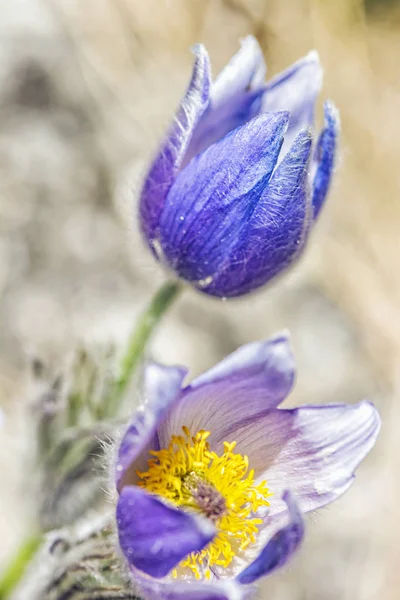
[232, 195]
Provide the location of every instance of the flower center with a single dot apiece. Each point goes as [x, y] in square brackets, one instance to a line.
[221, 488]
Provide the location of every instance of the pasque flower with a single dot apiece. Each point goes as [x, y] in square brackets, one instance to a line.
[232, 195]
[213, 477]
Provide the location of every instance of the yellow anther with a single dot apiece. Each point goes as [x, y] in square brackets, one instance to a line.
[187, 468]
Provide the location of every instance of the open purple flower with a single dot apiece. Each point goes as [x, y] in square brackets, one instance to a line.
[213, 477]
[233, 192]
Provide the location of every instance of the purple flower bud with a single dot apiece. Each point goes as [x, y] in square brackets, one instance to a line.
[233, 193]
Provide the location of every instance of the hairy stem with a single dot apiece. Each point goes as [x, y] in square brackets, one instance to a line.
[16, 569]
[139, 339]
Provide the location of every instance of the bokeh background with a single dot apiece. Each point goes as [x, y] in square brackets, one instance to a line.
[86, 91]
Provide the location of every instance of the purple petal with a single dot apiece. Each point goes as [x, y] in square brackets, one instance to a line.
[154, 589]
[313, 451]
[296, 90]
[325, 154]
[280, 548]
[235, 98]
[245, 70]
[155, 537]
[253, 379]
[218, 121]
[277, 231]
[169, 159]
[213, 198]
[162, 387]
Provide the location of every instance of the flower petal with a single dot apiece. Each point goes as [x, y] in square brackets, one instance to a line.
[312, 450]
[165, 167]
[277, 231]
[245, 70]
[325, 154]
[235, 97]
[155, 537]
[280, 548]
[155, 589]
[296, 90]
[218, 121]
[214, 196]
[257, 377]
[162, 386]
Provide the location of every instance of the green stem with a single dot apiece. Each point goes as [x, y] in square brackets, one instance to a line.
[16, 569]
[139, 339]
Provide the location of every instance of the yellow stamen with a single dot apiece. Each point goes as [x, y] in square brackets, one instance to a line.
[222, 488]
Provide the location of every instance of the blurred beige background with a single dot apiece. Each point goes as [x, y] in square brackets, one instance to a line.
[86, 90]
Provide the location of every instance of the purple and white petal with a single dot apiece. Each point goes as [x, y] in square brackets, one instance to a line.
[162, 386]
[218, 121]
[255, 378]
[236, 97]
[295, 89]
[325, 155]
[311, 450]
[277, 230]
[280, 548]
[211, 201]
[167, 163]
[245, 71]
[154, 536]
[169, 589]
